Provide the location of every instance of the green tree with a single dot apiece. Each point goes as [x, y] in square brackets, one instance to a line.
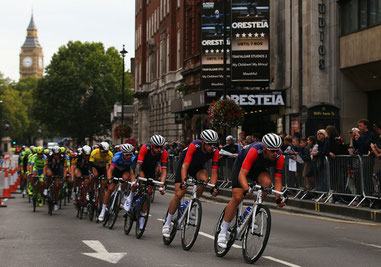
[78, 92]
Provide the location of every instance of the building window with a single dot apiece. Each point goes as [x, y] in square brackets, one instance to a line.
[359, 14]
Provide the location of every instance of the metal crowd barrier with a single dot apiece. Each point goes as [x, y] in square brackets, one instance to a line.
[345, 178]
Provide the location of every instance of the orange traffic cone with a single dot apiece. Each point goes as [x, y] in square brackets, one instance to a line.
[12, 181]
[2, 205]
[6, 189]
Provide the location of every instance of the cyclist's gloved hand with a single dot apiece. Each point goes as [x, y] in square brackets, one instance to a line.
[162, 189]
[280, 202]
[214, 191]
[183, 186]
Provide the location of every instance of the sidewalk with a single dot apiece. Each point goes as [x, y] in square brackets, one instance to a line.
[336, 211]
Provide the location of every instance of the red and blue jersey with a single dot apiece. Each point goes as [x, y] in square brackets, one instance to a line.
[149, 161]
[196, 158]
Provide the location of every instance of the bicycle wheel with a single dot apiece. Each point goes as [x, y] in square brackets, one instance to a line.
[51, 200]
[255, 240]
[91, 208]
[173, 230]
[99, 204]
[34, 198]
[139, 231]
[230, 235]
[81, 203]
[113, 214]
[153, 193]
[191, 226]
[129, 217]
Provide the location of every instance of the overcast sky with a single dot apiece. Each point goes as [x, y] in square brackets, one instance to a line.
[111, 22]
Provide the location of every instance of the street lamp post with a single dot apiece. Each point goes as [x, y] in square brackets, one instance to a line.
[123, 53]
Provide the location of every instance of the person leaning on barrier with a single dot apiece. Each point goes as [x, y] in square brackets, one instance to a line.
[364, 138]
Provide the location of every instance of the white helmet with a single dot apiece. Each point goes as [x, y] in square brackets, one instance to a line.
[104, 146]
[272, 141]
[209, 136]
[157, 140]
[86, 150]
[56, 149]
[127, 148]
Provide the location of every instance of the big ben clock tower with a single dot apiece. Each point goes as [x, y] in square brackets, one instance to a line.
[31, 56]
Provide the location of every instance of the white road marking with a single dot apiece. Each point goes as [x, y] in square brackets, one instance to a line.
[101, 252]
[162, 220]
[370, 245]
[212, 237]
[280, 261]
[5, 199]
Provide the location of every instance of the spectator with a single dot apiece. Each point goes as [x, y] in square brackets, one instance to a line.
[364, 138]
[230, 145]
[310, 166]
[352, 134]
[377, 133]
[286, 142]
[242, 137]
[336, 143]
[323, 151]
[249, 139]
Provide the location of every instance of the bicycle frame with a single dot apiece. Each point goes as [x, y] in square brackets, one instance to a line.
[240, 229]
[195, 183]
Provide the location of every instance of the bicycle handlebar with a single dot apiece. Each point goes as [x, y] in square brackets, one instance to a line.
[192, 181]
[151, 180]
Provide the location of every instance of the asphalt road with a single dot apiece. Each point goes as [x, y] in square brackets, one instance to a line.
[37, 239]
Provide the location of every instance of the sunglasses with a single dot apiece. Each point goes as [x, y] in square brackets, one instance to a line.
[273, 151]
[212, 144]
[157, 147]
[127, 154]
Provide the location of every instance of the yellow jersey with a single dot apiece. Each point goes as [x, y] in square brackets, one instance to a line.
[98, 160]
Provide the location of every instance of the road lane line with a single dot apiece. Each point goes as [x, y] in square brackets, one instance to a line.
[162, 220]
[370, 245]
[280, 261]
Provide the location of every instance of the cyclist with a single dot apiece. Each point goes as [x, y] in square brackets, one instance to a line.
[29, 167]
[148, 159]
[253, 163]
[81, 167]
[192, 161]
[24, 170]
[100, 158]
[55, 165]
[120, 168]
[38, 163]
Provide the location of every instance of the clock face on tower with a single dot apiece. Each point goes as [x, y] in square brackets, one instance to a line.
[27, 62]
[40, 62]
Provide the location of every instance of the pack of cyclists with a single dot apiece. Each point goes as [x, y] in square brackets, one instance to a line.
[90, 166]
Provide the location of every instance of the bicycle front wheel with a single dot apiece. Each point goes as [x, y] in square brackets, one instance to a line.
[175, 218]
[256, 235]
[142, 220]
[191, 225]
[220, 252]
[114, 211]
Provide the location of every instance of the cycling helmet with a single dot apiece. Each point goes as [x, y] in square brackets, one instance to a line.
[104, 147]
[272, 141]
[34, 150]
[56, 149]
[62, 149]
[80, 149]
[127, 148]
[46, 151]
[27, 152]
[157, 140]
[39, 150]
[31, 149]
[209, 136]
[86, 150]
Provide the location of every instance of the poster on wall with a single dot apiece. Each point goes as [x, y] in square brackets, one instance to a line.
[250, 29]
[212, 45]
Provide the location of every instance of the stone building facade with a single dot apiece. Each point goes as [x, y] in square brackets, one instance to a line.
[323, 57]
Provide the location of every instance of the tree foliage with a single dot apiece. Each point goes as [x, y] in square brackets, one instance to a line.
[64, 99]
[16, 108]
